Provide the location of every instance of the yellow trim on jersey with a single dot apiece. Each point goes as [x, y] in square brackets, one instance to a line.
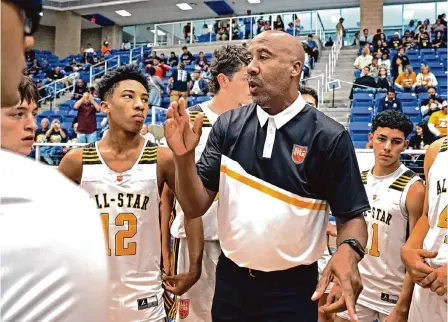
[444, 145]
[205, 121]
[90, 156]
[364, 176]
[401, 182]
[149, 155]
[273, 193]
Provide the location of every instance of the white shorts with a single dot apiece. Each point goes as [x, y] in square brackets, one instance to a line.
[364, 314]
[196, 304]
[427, 306]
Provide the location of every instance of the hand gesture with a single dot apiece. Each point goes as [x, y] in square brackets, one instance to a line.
[181, 136]
[181, 283]
[396, 316]
[436, 281]
[414, 260]
[335, 302]
[343, 265]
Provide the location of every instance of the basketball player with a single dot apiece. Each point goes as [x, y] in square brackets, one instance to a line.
[396, 196]
[52, 252]
[124, 173]
[425, 253]
[229, 82]
[309, 95]
[19, 121]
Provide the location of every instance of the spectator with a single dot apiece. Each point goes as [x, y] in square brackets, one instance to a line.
[385, 62]
[340, 30]
[427, 28]
[424, 41]
[54, 135]
[146, 134]
[297, 24]
[365, 59]
[365, 39]
[223, 32]
[235, 29]
[181, 81]
[379, 49]
[80, 89]
[391, 102]
[55, 75]
[430, 105]
[425, 78]
[200, 86]
[395, 42]
[260, 24]
[408, 43]
[438, 26]
[45, 67]
[156, 88]
[267, 26]
[30, 55]
[40, 135]
[374, 68]
[87, 59]
[309, 95]
[442, 19]
[125, 45]
[438, 122]
[438, 41]
[173, 61]
[87, 109]
[365, 80]
[423, 138]
[314, 49]
[188, 34]
[356, 41]
[161, 69]
[407, 79]
[397, 67]
[163, 59]
[105, 48]
[41, 90]
[248, 25]
[278, 24]
[186, 58]
[205, 74]
[383, 81]
[89, 49]
[419, 35]
[201, 61]
[377, 36]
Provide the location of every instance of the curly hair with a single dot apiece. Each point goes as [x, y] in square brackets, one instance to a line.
[110, 81]
[227, 60]
[393, 120]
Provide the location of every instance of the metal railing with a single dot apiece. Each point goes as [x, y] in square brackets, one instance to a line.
[320, 80]
[172, 33]
[136, 53]
[52, 90]
[332, 59]
[108, 64]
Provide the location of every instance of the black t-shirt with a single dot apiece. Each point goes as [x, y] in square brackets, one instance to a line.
[54, 76]
[174, 61]
[40, 136]
[329, 170]
[187, 58]
[181, 79]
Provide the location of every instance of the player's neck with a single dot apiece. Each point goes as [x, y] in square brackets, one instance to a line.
[121, 141]
[222, 103]
[380, 171]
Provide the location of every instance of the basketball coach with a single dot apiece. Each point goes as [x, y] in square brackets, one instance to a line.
[278, 165]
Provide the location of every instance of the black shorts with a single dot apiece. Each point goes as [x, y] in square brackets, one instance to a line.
[254, 296]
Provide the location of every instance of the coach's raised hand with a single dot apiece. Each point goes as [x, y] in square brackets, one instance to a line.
[182, 136]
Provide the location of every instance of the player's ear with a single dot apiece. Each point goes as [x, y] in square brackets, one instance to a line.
[105, 107]
[370, 136]
[406, 144]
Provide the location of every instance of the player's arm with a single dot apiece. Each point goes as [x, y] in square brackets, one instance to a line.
[414, 205]
[412, 254]
[166, 207]
[193, 229]
[71, 165]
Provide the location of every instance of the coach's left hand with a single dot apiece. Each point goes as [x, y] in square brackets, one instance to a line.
[344, 266]
[181, 283]
[436, 281]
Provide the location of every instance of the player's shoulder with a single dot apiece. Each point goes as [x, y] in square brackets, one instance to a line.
[325, 125]
[440, 145]
[195, 109]
[238, 116]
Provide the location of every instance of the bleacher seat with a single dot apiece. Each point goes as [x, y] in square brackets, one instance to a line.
[361, 114]
[359, 144]
[407, 97]
[359, 130]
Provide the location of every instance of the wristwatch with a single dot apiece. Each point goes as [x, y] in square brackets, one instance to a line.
[356, 246]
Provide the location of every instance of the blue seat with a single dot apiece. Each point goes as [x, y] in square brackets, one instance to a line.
[359, 130]
[427, 51]
[407, 97]
[201, 99]
[411, 110]
[359, 144]
[442, 51]
[100, 116]
[361, 114]
[47, 113]
[66, 125]
[422, 96]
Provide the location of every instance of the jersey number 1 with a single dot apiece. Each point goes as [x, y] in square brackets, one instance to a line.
[374, 250]
[120, 220]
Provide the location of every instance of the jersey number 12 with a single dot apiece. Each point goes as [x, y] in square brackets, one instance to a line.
[120, 248]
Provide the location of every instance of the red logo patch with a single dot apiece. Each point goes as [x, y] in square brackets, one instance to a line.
[184, 308]
[374, 197]
[119, 178]
[298, 153]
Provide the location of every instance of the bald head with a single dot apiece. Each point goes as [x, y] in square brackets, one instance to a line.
[275, 69]
[283, 43]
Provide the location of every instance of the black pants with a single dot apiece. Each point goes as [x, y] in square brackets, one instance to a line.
[264, 297]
